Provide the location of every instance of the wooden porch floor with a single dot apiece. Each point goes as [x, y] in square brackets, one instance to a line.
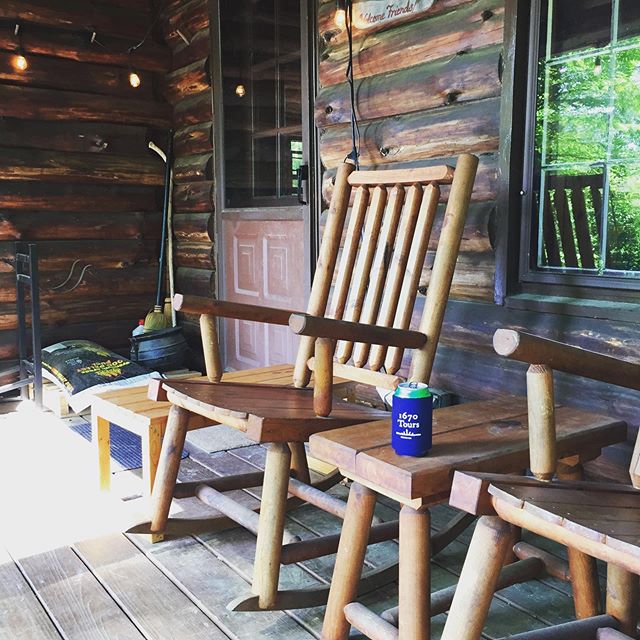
[67, 572]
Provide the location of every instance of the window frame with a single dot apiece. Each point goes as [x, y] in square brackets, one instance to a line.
[518, 283]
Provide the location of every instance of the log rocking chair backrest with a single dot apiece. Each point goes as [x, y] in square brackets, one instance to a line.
[384, 244]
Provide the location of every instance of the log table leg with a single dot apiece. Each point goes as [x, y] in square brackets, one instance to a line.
[414, 601]
[273, 506]
[349, 561]
[478, 579]
[151, 446]
[100, 437]
[622, 598]
[582, 568]
[168, 467]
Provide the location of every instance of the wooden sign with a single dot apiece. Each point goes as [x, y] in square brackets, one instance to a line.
[370, 13]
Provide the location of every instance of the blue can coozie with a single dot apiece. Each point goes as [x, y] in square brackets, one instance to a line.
[412, 419]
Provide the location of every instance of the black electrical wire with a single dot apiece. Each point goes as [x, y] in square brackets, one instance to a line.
[355, 129]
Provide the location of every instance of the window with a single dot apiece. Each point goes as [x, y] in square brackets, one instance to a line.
[581, 190]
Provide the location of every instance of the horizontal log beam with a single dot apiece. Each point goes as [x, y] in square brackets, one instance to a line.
[75, 45]
[525, 347]
[474, 26]
[333, 35]
[86, 137]
[445, 132]
[193, 140]
[78, 15]
[197, 255]
[194, 197]
[193, 168]
[195, 227]
[425, 86]
[50, 166]
[35, 225]
[47, 104]
[189, 17]
[106, 198]
[196, 282]
[69, 75]
[187, 81]
[303, 324]
[194, 110]
[58, 255]
[224, 309]
[199, 47]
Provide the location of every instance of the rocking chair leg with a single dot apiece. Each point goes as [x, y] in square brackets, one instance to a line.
[266, 569]
[349, 561]
[478, 579]
[299, 464]
[168, 467]
[583, 569]
[414, 608]
[622, 598]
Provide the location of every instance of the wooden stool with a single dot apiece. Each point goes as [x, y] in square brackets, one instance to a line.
[479, 436]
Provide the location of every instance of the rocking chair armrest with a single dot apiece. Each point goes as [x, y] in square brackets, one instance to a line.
[224, 309]
[535, 350]
[307, 325]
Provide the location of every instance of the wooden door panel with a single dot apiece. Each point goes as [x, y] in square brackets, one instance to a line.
[265, 266]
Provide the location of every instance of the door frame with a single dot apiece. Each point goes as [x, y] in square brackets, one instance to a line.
[309, 75]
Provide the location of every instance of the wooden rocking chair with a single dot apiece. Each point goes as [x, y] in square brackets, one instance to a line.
[376, 281]
[594, 520]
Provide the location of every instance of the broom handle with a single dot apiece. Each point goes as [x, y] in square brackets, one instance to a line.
[165, 212]
[174, 317]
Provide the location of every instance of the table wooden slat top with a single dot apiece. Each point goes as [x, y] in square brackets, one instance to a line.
[478, 436]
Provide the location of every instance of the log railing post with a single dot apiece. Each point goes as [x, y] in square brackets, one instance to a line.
[542, 426]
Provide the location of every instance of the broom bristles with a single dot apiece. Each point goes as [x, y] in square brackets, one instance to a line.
[156, 320]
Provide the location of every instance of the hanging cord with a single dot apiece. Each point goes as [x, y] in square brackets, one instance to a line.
[355, 130]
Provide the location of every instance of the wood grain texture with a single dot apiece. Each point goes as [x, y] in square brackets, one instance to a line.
[161, 609]
[74, 599]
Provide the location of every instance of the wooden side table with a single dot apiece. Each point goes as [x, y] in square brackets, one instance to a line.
[480, 436]
[130, 409]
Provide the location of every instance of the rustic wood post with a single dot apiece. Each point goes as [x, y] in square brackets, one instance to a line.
[622, 598]
[266, 569]
[582, 567]
[323, 376]
[210, 347]
[542, 425]
[349, 561]
[478, 579]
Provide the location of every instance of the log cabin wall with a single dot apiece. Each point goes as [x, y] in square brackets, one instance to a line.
[188, 90]
[429, 88]
[76, 176]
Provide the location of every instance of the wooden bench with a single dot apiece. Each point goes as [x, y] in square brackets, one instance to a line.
[480, 436]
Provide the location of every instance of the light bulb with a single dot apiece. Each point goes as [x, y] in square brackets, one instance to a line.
[241, 91]
[134, 79]
[340, 18]
[20, 62]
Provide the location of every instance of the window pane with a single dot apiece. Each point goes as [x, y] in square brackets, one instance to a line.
[629, 19]
[580, 25]
[577, 111]
[626, 120]
[623, 228]
[570, 218]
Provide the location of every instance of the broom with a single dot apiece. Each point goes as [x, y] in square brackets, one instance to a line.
[156, 319]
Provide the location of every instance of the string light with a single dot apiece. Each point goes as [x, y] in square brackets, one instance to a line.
[20, 62]
[340, 17]
[134, 79]
[241, 90]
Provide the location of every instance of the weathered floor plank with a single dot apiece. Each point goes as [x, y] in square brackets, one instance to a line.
[22, 617]
[74, 599]
[157, 605]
